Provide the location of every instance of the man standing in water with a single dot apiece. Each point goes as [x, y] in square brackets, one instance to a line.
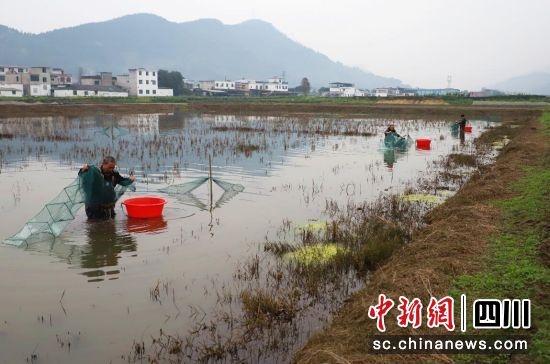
[462, 127]
[391, 130]
[462, 122]
[98, 184]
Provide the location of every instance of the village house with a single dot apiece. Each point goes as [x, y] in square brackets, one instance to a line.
[143, 82]
[190, 84]
[224, 85]
[37, 81]
[59, 77]
[254, 85]
[437, 91]
[386, 92]
[10, 82]
[277, 84]
[102, 79]
[88, 91]
[345, 89]
[207, 85]
[485, 92]
[122, 81]
[242, 86]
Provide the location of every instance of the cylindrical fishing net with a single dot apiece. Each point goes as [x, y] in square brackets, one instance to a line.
[393, 141]
[57, 214]
[89, 188]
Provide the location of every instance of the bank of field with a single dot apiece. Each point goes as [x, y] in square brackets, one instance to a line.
[488, 241]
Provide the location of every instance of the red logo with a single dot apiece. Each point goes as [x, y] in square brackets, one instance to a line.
[380, 311]
[410, 312]
[441, 313]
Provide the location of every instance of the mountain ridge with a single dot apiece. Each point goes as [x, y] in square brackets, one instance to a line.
[200, 49]
[537, 83]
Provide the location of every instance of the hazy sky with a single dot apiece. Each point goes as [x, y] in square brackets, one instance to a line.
[478, 42]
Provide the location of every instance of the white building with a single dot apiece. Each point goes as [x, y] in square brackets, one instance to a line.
[224, 85]
[11, 90]
[344, 89]
[37, 82]
[32, 81]
[89, 91]
[10, 85]
[277, 84]
[207, 85]
[190, 84]
[386, 92]
[242, 85]
[143, 82]
[164, 92]
[257, 85]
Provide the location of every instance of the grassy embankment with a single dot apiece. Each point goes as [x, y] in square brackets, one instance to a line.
[490, 241]
[517, 263]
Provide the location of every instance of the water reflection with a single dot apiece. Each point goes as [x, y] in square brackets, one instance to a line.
[105, 244]
[391, 155]
[389, 158]
[147, 226]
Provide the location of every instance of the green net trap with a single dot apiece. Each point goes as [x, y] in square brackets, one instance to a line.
[89, 188]
[57, 214]
[184, 191]
[393, 141]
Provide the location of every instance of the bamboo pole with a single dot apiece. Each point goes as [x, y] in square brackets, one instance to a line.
[210, 180]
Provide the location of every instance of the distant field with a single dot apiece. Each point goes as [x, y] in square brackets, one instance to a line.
[451, 100]
[512, 103]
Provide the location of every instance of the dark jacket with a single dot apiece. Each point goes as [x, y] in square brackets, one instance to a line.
[389, 131]
[99, 191]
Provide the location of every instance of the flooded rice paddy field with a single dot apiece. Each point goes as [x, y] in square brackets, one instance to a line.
[132, 290]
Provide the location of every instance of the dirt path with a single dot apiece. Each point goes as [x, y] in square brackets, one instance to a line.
[14, 109]
[21, 109]
[374, 110]
[454, 243]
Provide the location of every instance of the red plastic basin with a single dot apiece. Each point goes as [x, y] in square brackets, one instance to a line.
[423, 143]
[468, 129]
[144, 207]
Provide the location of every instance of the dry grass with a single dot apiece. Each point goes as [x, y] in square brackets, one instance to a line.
[279, 248]
[461, 159]
[453, 243]
[247, 149]
[76, 110]
[262, 308]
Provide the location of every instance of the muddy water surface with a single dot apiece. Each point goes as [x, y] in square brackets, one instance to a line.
[89, 294]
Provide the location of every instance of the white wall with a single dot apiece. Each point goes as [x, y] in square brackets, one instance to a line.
[165, 92]
[347, 92]
[224, 85]
[206, 85]
[87, 93]
[253, 85]
[144, 83]
[43, 89]
[277, 84]
[10, 93]
[17, 86]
